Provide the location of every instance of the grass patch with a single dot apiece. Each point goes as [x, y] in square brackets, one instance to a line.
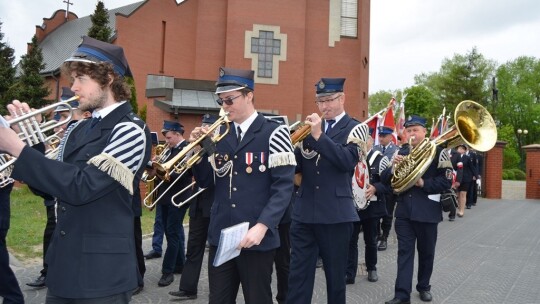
[28, 219]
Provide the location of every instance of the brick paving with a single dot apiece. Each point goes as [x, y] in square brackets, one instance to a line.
[491, 255]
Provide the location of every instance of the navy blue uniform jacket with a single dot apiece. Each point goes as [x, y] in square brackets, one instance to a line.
[423, 204]
[256, 197]
[325, 193]
[92, 252]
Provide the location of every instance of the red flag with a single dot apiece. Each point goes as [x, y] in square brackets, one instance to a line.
[401, 119]
[372, 124]
[389, 120]
[435, 131]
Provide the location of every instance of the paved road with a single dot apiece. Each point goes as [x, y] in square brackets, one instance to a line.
[491, 255]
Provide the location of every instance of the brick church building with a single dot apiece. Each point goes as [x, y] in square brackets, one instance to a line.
[175, 49]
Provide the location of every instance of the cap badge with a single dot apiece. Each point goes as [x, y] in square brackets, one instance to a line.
[321, 85]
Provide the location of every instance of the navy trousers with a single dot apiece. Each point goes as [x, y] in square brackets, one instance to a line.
[172, 218]
[424, 236]
[369, 226]
[331, 243]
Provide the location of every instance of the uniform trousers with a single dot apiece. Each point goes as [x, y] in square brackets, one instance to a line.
[424, 236]
[157, 236]
[369, 228]
[386, 224]
[172, 218]
[472, 194]
[9, 287]
[331, 243]
[196, 245]
[252, 269]
[283, 262]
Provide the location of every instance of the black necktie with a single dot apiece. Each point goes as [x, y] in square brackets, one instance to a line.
[329, 122]
[93, 122]
[383, 149]
[238, 134]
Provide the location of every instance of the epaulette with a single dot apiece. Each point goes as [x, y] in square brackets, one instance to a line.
[280, 147]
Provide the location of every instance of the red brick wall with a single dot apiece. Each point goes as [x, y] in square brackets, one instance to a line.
[57, 19]
[202, 35]
[532, 170]
[493, 166]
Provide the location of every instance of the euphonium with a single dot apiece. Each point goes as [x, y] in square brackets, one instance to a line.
[159, 151]
[32, 132]
[474, 126]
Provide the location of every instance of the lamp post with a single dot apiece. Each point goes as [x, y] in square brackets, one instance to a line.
[520, 143]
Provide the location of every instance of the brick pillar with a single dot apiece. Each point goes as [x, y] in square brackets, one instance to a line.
[532, 171]
[493, 163]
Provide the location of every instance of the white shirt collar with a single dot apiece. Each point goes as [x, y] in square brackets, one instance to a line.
[247, 123]
[338, 118]
[107, 110]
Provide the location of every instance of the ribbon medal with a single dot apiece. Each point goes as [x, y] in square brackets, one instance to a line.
[249, 161]
[262, 167]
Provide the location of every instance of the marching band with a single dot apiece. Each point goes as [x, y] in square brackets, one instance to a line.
[236, 168]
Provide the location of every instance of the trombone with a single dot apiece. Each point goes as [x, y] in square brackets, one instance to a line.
[32, 132]
[184, 160]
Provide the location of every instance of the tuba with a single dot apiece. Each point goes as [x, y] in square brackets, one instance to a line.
[474, 126]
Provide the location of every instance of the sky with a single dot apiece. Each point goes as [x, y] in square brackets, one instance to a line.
[408, 37]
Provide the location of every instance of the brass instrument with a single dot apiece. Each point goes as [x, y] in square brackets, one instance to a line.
[474, 126]
[32, 132]
[159, 151]
[184, 160]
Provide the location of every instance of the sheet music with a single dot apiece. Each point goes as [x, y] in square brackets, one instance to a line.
[229, 240]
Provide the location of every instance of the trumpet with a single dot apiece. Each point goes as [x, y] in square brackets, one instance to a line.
[184, 160]
[32, 132]
[302, 132]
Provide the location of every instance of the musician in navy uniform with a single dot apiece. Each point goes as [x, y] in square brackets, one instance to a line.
[324, 209]
[253, 169]
[61, 113]
[387, 147]
[172, 217]
[91, 257]
[369, 217]
[418, 213]
[199, 219]
[9, 287]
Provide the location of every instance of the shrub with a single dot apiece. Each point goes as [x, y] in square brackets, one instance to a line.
[508, 174]
[518, 174]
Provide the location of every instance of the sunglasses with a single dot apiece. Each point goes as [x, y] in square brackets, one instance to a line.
[228, 101]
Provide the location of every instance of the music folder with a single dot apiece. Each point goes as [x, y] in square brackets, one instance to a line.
[229, 240]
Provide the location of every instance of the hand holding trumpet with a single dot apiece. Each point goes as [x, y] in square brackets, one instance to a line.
[11, 143]
[314, 120]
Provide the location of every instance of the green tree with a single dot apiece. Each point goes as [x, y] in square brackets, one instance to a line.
[7, 71]
[133, 100]
[518, 103]
[30, 87]
[100, 29]
[420, 101]
[463, 77]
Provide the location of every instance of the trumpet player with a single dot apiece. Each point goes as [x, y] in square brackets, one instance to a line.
[418, 213]
[91, 257]
[172, 216]
[61, 113]
[324, 210]
[252, 170]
